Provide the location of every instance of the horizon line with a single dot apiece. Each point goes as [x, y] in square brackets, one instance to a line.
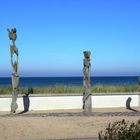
[69, 76]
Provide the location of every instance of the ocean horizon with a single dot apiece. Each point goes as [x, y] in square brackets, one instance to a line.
[70, 81]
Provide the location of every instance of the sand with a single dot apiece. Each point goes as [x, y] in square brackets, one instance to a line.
[60, 124]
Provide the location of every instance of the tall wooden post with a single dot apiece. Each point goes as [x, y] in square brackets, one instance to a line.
[87, 100]
[14, 64]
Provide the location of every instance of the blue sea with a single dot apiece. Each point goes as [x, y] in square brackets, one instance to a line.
[70, 81]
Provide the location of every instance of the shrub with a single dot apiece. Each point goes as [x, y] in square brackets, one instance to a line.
[121, 130]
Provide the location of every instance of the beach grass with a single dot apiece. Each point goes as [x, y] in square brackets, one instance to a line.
[71, 89]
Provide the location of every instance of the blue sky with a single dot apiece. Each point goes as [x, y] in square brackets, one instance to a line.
[52, 35]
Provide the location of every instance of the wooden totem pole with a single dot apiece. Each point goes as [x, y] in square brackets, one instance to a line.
[14, 63]
[87, 103]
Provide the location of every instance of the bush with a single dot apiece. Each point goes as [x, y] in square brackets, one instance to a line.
[121, 130]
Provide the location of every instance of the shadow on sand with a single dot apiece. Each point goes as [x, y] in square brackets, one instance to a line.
[128, 101]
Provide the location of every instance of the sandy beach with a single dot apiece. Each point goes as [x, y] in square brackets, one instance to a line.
[60, 124]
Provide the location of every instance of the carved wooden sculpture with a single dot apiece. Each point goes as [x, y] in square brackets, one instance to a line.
[87, 106]
[14, 64]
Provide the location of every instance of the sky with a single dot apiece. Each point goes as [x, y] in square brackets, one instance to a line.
[52, 35]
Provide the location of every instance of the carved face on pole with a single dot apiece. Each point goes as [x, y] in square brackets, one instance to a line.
[12, 34]
[87, 54]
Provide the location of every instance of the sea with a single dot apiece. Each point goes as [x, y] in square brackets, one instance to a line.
[70, 81]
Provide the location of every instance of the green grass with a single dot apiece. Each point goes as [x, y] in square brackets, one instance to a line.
[99, 88]
[72, 89]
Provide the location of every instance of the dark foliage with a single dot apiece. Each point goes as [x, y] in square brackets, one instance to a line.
[121, 130]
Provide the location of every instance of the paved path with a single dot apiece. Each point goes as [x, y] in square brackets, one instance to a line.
[76, 138]
[76, 114]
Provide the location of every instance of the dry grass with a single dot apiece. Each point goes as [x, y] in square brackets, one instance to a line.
[72, 89]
